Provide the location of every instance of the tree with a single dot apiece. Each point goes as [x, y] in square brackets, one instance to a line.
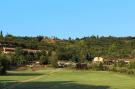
[4, 64]
[82, 56]
[89, 57]
[112, 51]
[132, 65]
[40, 38]
[54, 59]
[18, 57]
[75, 58]
[133, 53]
[44, 59]
[1, 34]
[18, 51]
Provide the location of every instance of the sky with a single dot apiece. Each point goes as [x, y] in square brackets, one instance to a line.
[68, 18]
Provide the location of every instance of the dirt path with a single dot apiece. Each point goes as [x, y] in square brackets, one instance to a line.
[29, 80]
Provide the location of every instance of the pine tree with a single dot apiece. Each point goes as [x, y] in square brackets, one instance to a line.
[1, 33]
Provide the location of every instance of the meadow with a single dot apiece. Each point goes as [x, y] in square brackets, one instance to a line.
[66, 79]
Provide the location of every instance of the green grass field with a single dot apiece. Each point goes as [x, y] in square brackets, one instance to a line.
[66, 79]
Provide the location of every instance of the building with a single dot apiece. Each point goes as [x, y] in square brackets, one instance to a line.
[98, 60]
[7, 50]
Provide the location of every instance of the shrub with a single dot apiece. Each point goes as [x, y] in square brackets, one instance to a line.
[123, 70]
[132, 65]
[121, 64]
[43, 60]
[98, 66]
[4, 64]
[130, 71]
[81, 66]
[54, 60]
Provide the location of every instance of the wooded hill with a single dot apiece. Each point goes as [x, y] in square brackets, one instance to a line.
[108, 47]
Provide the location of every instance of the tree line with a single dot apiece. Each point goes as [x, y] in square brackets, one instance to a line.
[79, 50]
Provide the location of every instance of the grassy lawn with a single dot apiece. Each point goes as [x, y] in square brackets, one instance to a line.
[66, 79]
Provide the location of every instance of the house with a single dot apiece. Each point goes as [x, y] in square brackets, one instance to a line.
[98, 60]
[7, 50]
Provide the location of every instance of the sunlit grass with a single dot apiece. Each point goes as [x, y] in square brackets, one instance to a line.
[69, 79]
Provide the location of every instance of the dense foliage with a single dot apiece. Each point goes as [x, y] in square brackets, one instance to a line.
[79, 50]
[4, 64]
[71, 49]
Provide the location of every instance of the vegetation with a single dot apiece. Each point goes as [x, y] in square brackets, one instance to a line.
[70, 49]
[79, 50]
[120, 47]
[77, 53]
[4, 64]
[63, 79]
[54, 59]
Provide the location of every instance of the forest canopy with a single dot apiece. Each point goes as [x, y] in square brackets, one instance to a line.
[112, 47]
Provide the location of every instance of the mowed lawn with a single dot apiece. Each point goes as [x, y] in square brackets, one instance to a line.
[66, 79]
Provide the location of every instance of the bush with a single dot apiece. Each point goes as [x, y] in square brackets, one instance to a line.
[4, 64]
[131, 71]
[121, 64]
[54, 60]
[43, 60]
[98, 66]
[81, 66]
[123, 70]
[132, 65]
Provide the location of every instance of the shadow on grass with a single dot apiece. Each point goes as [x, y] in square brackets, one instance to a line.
[55, 85]
[23, 74]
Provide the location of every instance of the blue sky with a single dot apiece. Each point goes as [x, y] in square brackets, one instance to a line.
[68, 18]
